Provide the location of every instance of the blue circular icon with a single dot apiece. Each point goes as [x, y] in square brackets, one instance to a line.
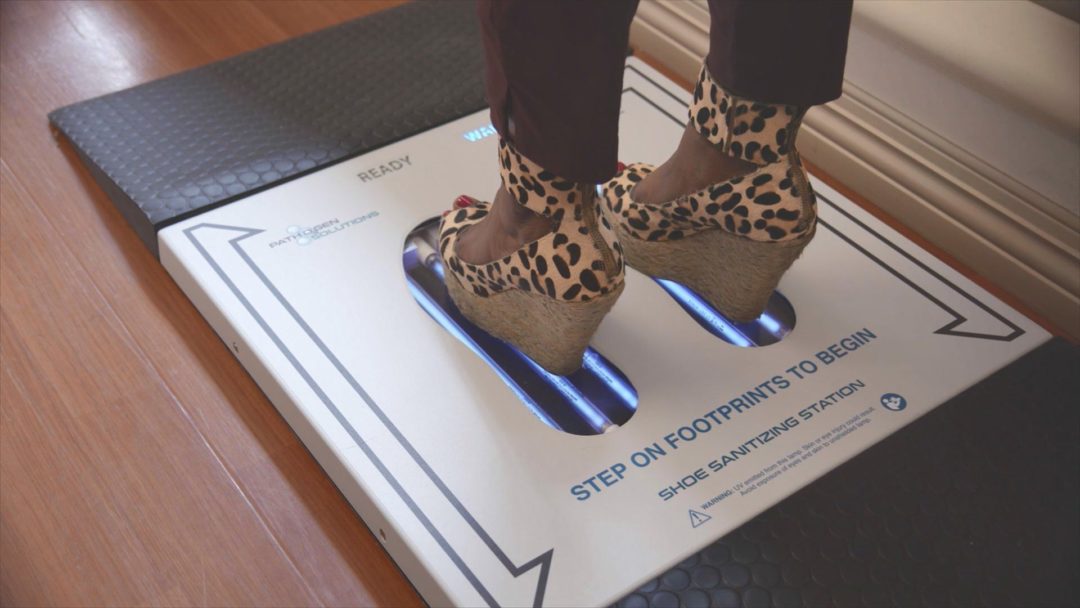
[893, 402]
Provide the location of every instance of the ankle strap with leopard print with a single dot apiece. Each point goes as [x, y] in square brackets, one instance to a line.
[757, 132]
[538, 189]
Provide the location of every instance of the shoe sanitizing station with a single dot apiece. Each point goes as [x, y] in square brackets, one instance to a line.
[495, 483]
[678, 428]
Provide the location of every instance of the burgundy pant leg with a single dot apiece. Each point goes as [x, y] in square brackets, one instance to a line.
[555, 70]
[789, 51]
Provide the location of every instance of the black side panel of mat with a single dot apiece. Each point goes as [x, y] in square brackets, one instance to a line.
[975, 504]
[169, 149]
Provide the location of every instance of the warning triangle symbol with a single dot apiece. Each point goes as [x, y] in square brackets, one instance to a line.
[696, 519]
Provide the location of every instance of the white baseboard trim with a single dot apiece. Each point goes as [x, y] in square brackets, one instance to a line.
[1001, 229]
[1020, 243]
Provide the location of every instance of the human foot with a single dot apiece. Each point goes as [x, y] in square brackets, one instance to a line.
[503, 231]
[736, 168]
[729, 212]
[695, 164]
[553, 269]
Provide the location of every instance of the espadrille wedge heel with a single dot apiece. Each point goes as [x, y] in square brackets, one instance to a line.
[732, 241]
[549, 297]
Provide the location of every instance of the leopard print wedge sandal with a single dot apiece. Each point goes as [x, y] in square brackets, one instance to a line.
[731, 241]
[547, 298]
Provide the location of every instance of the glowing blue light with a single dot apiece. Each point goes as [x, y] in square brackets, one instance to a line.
[596, 364]
[770, 324]
[704, 313]
[594, 417]
[593, 363]
[480, 133]
[443, 319]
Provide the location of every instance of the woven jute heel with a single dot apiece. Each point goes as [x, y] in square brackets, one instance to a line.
[548, 297]
[731, 241]
[734, 274]
[553, 334]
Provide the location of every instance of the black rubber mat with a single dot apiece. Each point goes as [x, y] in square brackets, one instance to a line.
[169, 149]
[975, 504]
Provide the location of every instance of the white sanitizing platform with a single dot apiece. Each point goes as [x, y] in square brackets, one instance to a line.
[477, 498]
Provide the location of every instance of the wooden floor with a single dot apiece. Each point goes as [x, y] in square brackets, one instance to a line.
[139, 464]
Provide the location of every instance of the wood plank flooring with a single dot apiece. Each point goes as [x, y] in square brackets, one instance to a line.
[139, 462]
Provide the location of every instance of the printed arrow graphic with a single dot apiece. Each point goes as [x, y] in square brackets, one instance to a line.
[239, 234]
[1010, 330]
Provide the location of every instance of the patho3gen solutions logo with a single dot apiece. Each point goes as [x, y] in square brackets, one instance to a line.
[306, 235]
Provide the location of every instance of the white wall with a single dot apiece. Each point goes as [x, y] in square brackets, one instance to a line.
[1000, 79]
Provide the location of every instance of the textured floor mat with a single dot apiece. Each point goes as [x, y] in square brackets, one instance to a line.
[975, 504]
[181, 145]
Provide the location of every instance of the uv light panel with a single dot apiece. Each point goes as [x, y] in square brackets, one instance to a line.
[597, 398]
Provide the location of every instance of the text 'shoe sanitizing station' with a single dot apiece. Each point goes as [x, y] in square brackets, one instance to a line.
[496, 483]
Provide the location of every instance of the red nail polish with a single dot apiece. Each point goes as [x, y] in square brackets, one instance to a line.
[462, 201]
[620, 166]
